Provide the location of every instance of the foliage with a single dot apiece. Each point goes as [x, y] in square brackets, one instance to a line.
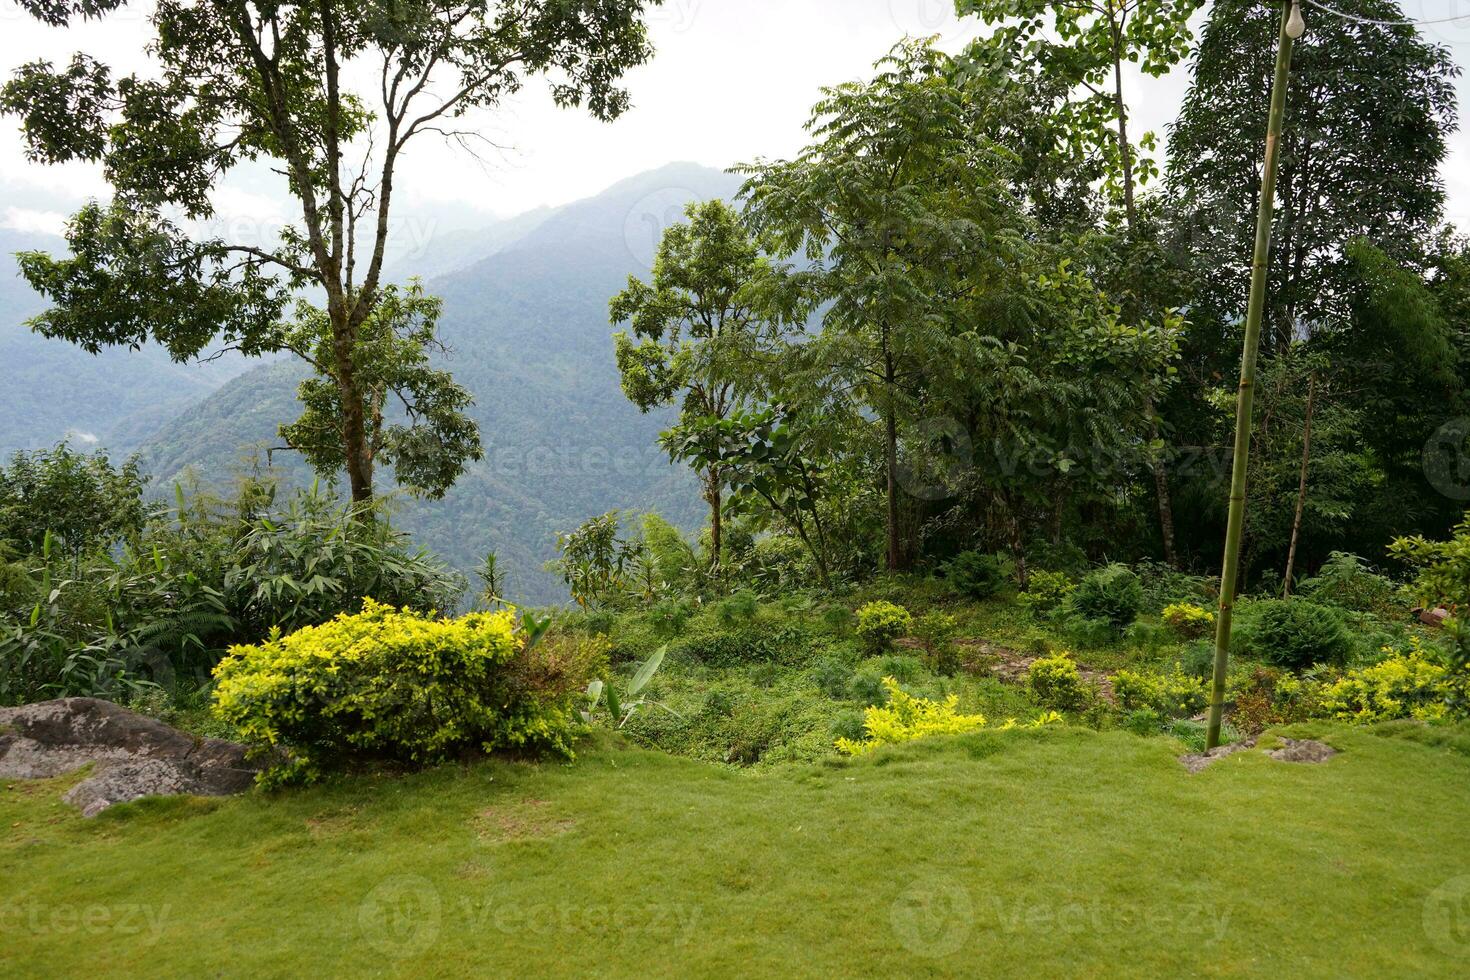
[1046, 590]
[411, 415]
[979, 576]
[1172, 695]
[1349, 582]
[880, 623]
[392, 684]
[594, 561]
[702, 328]
[84, 502]
[315, 557]
[905, 718]
[1112, 594]
[1295, 634]
[1055, 683]
[1443, 566]
[935, 632]
[1188, 620]
[1413, 683]
[622, 706]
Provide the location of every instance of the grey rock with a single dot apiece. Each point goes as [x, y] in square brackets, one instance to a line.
[1197, 761]
[1302, 750]
[134, 755]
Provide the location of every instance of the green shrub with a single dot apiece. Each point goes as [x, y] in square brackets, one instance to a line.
[1112, 594]
[1188, 620]
[880, 623]
[1143, 721]
[979, 576]
[1046, 591]
[747, 644]
[1197, 659]
[1055, 683]
[737, 609]
[831, 677]
[1412, 683]
[866, 688]
[1349, 582]
[935, 632]
[1296, 633]
[1172, 695]
[390, 684]
[903, 668]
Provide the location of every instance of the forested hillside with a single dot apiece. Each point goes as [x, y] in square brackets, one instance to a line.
[528, 335]
[50, 389]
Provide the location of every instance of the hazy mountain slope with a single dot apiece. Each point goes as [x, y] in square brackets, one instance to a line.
[529, 337]
[50, 390]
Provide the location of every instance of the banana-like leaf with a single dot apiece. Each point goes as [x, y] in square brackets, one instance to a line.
[614, 704]
[646, 672]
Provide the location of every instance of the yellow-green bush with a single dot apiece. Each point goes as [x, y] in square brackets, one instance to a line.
[1188, 620]
[880, 623]
[393, 685]
[1055, 683]
[1046, 591]
[1173, 694]
[1409, 683]
[906, 717]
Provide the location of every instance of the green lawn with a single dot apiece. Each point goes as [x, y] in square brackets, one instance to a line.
[1056, 852]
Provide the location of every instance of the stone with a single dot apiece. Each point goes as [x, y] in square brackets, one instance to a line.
[1302, 750]
[133, 755]
[1197, 761]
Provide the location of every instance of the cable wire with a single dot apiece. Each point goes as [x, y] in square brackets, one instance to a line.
[1380, 23]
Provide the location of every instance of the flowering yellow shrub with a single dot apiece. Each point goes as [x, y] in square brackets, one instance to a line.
[1188, 619]
[390, 684]
[906, 718]
[1408, 684]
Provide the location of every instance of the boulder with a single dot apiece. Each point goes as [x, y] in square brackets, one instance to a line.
[133, 755]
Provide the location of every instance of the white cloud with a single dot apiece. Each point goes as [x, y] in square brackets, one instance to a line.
[27, 219]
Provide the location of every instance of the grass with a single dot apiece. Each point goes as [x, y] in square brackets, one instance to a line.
[1057, 852]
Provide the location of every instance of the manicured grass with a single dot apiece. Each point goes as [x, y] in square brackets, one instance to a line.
[1061, 852]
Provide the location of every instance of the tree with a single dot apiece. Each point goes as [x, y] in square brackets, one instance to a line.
[1094, 40]
[897, 208]
[705, 328]
[248, 81]
[1361, 147]
[390, 359]
[84, 502]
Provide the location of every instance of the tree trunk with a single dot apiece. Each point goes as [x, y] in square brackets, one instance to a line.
[715, 499]
[357, 458]
[890, 449]
[1125, 149]
[1161, 490]
[1301, 490]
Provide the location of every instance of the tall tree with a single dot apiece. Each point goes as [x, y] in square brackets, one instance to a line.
[1361, 147]
[704, 332]
[894, 204]
[1091, 41]
[242, 80]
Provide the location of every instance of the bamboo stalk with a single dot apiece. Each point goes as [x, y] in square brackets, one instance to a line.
[1245, 399]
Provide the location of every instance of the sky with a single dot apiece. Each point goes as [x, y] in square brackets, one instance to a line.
[732, 80]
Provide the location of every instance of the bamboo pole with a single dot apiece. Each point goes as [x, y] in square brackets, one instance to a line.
[1291, 29]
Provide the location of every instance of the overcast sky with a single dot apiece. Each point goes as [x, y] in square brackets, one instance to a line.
[731, 80]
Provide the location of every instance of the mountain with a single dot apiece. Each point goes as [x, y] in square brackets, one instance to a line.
[528, 334]
[52, 390]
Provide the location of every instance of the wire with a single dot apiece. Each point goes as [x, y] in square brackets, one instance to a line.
[1381, 23]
